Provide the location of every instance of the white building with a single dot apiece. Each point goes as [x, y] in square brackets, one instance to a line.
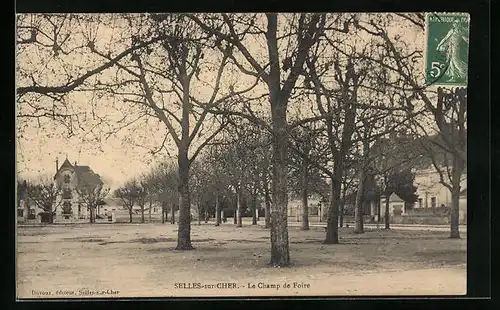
[432, 194]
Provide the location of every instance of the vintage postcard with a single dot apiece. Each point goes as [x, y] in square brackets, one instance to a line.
[248, 154]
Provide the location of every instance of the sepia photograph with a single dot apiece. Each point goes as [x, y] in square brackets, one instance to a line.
[241, 154]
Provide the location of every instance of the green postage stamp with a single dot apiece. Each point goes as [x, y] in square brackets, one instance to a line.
[447, 39]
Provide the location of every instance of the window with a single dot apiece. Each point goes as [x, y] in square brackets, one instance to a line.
[66, 193]
[67, 207]
[398, 209]
[433, 202]
[67, 179]
[420, 201]
[20, 212]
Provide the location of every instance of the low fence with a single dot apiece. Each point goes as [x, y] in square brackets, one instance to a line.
[423, 220]
[420, 219]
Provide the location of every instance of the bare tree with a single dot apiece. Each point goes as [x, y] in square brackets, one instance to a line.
[91, 194]
[306, 154]
[21, 190]
[44, 193]
[219, 173]
[334, 104]
[142, 198]
[447, 108]
[166, 180]
[130, 194]
[148, 183]
[183, 52]
[55, 58]
[165, 66]
[306, 29]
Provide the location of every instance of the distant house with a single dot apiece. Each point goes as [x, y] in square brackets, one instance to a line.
[397, 206]
[69, 178]
[113, 207]
[316, 206]
[432, 194]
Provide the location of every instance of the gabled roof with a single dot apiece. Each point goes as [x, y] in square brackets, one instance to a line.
[66, 165]
[395, 198]
[85, 175]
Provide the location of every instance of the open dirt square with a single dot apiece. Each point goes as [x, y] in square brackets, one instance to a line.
[139, 260]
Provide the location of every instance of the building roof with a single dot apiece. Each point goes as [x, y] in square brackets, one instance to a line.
[112, 201]
[395, 198]
[84, 174]
[66, 164]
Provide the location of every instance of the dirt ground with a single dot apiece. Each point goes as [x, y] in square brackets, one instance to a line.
[140, 260]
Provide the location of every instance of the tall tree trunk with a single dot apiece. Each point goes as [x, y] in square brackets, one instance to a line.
[184, 231]
[457, 170]
[217, 211]
[332, 226]
[359, 207]
[341, 215]
[163, 214]
[172, 220]
[199, 213]
[129, 213]
[26, 211]
[267, 211]
[254, 209]
[342, 206]
[51, 216]
[142, 214]
[239, 212]
[150, 207]
[235, 215]
[387, 218]
[378, 210]
[305, 194]
[280, 252]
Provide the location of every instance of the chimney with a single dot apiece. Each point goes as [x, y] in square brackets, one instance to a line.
[57, 164]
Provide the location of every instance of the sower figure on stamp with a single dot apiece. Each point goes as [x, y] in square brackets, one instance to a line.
[457, 68]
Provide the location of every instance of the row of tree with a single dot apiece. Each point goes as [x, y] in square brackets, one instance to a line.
[349, 79]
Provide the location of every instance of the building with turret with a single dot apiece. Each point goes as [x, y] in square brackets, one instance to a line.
[69, 177]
